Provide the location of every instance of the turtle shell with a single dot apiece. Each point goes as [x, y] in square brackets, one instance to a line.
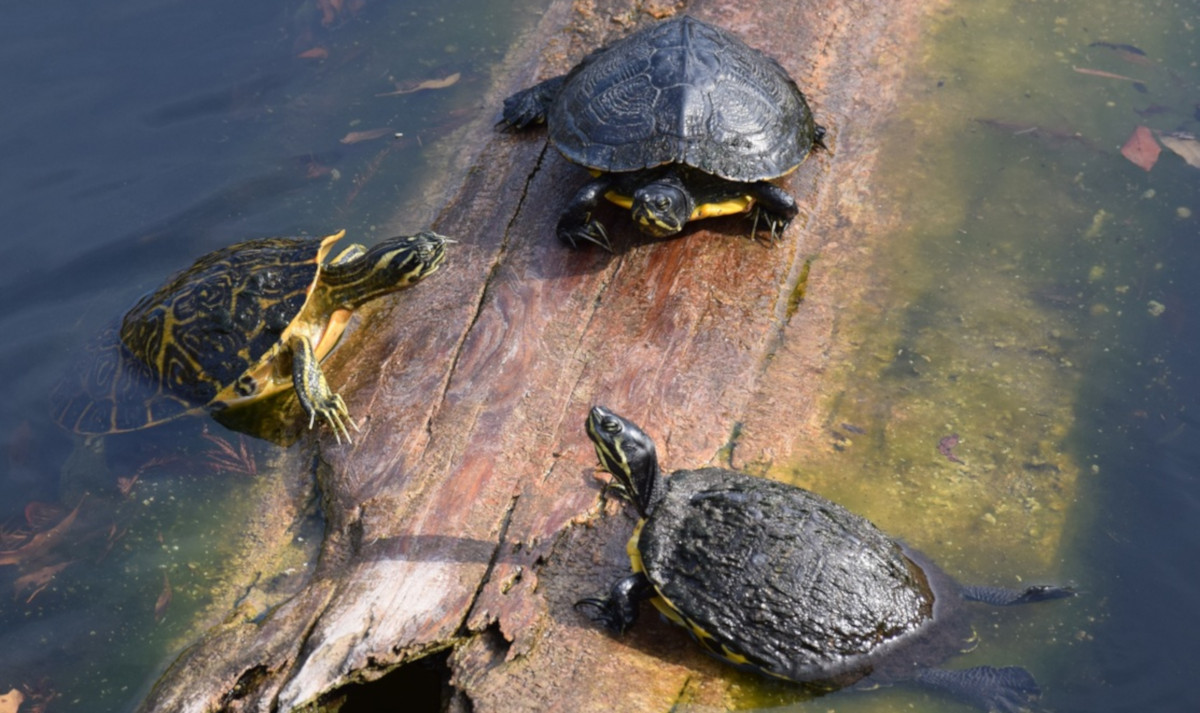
[682, 91]
[778, 578]
[196, 341]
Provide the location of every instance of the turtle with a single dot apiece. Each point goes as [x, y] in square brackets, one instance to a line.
[776, 579]
[678, 121]
[242, 323]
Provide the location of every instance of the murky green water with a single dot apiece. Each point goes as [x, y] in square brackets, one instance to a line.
[1040, 305]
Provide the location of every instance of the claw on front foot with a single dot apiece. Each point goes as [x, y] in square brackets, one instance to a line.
[592, 232]
[605, 613]
[774, 223]
[334, 412]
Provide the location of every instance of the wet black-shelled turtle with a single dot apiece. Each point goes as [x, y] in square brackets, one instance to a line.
[241, 324]
[774, 578]
[678, 121]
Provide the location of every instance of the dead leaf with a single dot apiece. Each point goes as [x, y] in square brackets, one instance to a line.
[427, 84]
[1102, 73]
[39, 580]
[314, 53]
[42, 541]
[1183, 144]
[355, 136]
[11, 702]
[164, 600]
[1141, 148]
[1137, 83]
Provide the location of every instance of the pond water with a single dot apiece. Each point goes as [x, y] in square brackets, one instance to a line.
[140, 135]
[1042, 308]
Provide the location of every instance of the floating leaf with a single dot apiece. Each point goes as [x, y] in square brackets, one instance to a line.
[11, 702]
[1183, 144]
[1141, 148]
[355, 136]
[427, 84]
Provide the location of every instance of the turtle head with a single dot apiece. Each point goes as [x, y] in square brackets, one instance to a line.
[628, 453]
[395, 263]
[662, 207]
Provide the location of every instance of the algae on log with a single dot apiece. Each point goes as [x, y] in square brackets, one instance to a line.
[467, 513]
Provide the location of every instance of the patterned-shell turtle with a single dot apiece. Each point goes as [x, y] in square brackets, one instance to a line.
[777, 579]
[242, 323]
[678, 121]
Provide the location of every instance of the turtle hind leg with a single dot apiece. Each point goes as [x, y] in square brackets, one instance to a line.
[1002, 597]
[1010, 689]
[619, 610]
[530, 106]
[314, 393]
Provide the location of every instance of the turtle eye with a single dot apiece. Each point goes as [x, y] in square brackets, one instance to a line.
[610, 424]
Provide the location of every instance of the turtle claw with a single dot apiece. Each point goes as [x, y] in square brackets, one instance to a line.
[592, 232]
[774, 222]
[606, 613]
[334, 412]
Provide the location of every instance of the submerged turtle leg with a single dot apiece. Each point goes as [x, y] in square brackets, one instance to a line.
[314, 392]
[529, 106]
[772, 205]
[1002, 597]
[619, 610]
[1009, 690]
[576, 223]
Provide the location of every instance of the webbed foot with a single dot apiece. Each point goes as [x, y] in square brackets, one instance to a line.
[619, 610]
[1002, 597]
[332, 410]
[529, 106]
[1011, 689]
[776, 223]
[314, 393]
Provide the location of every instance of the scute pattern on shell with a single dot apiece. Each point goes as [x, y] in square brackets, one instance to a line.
[681, 91]
[197, 334]
[798, 585]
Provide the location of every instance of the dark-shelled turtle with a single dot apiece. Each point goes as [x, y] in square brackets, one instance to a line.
[678, 121]
[242, 323]
[774, 578]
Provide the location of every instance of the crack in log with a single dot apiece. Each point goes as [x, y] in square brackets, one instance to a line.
[497, 262]
[463, 629]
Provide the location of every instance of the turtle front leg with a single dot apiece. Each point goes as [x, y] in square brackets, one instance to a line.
[619, 610]
[314, 393]
[772, 205]
[577, 224]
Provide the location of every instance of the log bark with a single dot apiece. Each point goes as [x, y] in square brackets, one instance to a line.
[468, 513]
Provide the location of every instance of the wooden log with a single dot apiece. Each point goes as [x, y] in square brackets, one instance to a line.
[468, 513]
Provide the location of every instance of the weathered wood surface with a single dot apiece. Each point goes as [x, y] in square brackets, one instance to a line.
[468, 512]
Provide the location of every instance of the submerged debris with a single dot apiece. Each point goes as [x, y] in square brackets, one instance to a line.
[1141, 148]
[946, 447]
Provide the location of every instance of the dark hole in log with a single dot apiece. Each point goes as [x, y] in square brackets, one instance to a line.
[421, 686]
